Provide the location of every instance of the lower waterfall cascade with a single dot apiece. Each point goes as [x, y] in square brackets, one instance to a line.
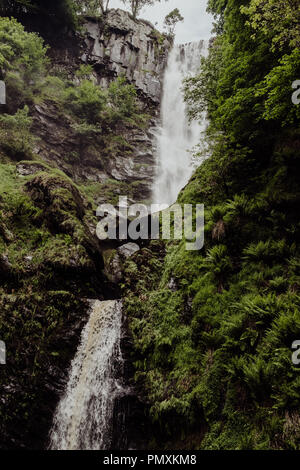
[177, 136]
[84, 417]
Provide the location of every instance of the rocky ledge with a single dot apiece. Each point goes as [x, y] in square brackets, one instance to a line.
[122, 46]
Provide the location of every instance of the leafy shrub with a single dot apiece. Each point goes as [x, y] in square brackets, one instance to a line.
[268, 251]
[277, 94]
[87, 101]
[23, 62]
[93, 104]
[122, 98]
[15, 136]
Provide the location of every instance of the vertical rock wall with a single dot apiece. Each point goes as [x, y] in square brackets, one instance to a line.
[121, 46]
[115, 46]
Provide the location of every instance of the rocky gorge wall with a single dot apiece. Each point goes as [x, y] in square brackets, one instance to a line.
[123, 46]
[51, 262]
[116, 46]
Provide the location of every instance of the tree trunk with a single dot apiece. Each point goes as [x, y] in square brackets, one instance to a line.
[134, 4]
[101, 6]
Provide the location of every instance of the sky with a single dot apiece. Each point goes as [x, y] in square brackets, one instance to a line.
[197, 22]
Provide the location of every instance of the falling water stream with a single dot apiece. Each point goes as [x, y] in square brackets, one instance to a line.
[84, 416]
[176, 137]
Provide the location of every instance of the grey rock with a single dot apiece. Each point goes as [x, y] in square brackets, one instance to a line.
[5, 265]
[118, 47]
[172, 285]
[29, 169]
[126, 251]
[128, 47]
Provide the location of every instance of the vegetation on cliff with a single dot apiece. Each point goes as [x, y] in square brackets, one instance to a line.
[213, 329]
[50, 258]
[59, 13]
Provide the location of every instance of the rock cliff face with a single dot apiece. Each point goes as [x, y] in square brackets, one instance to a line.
[132, 164]
[122, 46]
[115, 46]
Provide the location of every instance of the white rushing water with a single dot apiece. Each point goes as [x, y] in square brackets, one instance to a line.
[83, 419]
[177, 137]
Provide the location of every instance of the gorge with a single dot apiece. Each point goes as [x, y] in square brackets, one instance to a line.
[84, 418]
[64, 172]
[143, 344]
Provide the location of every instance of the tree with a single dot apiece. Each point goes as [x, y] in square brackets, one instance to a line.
[56, 12]
[104, 5]
[280, 18]
[172, 19]
[138, 5]
[92, 7]
[87, 101]
[23, 62]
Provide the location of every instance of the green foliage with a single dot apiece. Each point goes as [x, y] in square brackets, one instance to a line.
[277, 19]
[277, 93]
[122, 99]
[172, 19]
[84, 71]
[86, 100]
[200, 89]
[51, 89]
[15, 137]
[22, 60]
[94, 105]
[268, 251]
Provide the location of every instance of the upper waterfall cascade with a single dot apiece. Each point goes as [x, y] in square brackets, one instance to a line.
[83, 419]
[176, 137]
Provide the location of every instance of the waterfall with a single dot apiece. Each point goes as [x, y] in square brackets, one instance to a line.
[176, 137]
[84, 417]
